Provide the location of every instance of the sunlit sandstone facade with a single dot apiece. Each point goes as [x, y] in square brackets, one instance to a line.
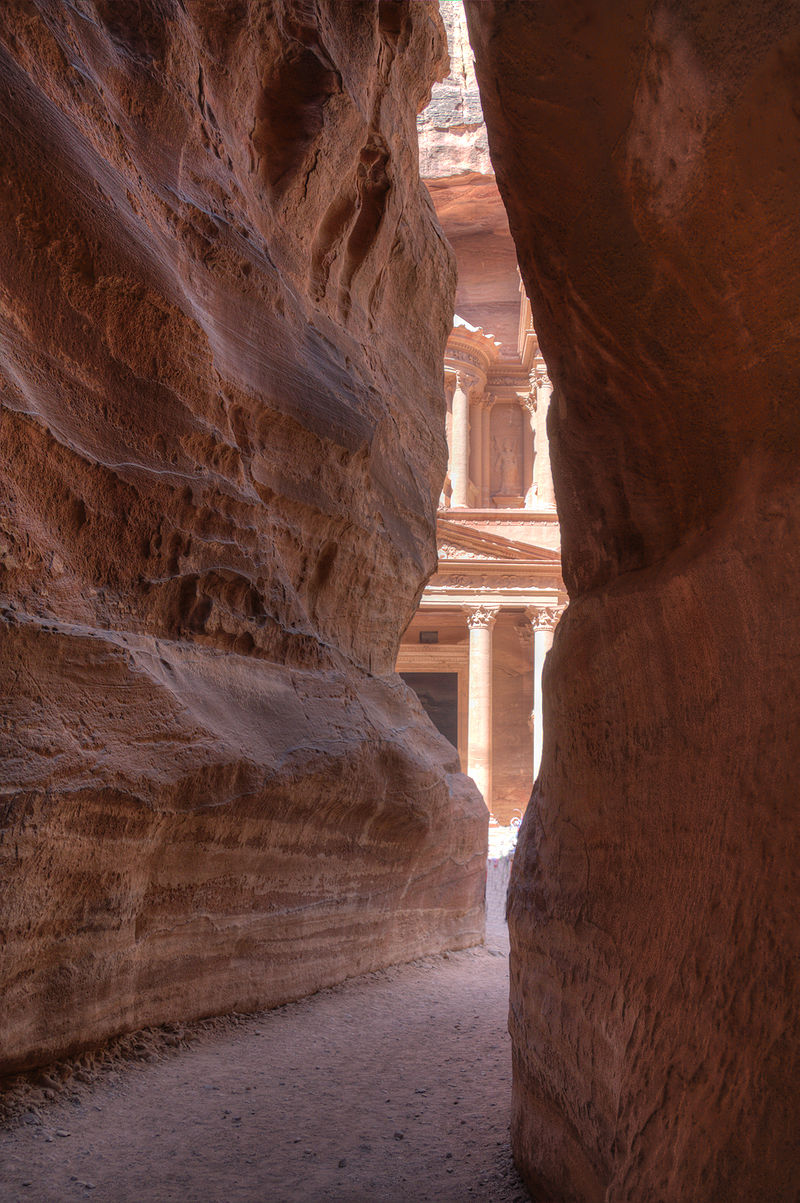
[476, 648]
[492, 606]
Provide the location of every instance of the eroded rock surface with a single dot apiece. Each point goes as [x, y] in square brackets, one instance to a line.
[647, 155]
[455, 164]
[223, 310]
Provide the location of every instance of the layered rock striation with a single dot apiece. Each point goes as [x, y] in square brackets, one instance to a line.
[224, 304]
[654, 898]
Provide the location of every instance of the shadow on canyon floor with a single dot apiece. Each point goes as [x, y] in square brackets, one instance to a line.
[395, 1086]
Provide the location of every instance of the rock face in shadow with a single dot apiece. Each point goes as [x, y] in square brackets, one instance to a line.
[647, 155]
[224, 305]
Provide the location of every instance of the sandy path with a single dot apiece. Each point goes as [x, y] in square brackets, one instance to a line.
[391, 1087]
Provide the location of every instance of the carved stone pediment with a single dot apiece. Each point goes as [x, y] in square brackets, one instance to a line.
[457, 542]
[452, 551]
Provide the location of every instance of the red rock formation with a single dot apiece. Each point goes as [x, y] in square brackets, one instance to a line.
[224, 307]
[455, 165]
[647, 155]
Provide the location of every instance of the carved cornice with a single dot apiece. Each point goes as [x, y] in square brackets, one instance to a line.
[481, 616]
[457, 355]
[467, 344]
[476, 582]
[507, 381]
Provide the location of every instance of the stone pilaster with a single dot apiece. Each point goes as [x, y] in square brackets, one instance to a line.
[531, 446]
[486, 452]
[459, 455]
[543, 477]
[544, 621]
[475, 444]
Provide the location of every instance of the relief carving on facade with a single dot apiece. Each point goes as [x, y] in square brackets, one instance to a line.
[506, 462]
[507, 434]
[478, 582]
[450, 551]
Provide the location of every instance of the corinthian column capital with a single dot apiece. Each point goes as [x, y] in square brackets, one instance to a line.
[465, 381]
[539, 378]
[524, 633]
[528, 401]
[481, 616]
[544, 618]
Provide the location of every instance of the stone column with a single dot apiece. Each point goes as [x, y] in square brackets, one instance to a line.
[480, 620]
[459, 457]
[475, 446]
[486, 451]
[528, 402]
[543, 476]
[449, 385]
[544, 623]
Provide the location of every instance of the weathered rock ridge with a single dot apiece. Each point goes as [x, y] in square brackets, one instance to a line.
[223, 310]
[647, 155]
[455, 165]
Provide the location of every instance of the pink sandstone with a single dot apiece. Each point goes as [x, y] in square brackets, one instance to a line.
[647, 158]
[455, 165]
[224, 306]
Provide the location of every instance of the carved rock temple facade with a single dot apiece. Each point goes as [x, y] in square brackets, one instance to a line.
[475, 650]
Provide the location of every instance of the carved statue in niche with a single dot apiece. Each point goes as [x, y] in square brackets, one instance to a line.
[507, 464]
[506, 448]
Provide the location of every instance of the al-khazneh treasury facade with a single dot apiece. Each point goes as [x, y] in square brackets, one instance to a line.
[475, 650]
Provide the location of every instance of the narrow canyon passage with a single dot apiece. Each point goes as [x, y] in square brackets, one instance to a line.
[394, 1086]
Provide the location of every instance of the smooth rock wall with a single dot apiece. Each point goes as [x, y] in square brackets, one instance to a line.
[223, 309]
[647, 155]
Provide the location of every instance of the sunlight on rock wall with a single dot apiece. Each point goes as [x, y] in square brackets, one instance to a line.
[224, 305]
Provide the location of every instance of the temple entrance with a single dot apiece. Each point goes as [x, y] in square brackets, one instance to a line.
[438, 694]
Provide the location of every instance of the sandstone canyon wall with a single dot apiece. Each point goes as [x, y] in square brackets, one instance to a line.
[647, 155]
[455, 165]
[224, 305]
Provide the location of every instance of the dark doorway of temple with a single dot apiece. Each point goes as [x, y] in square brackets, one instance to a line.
[438, 693]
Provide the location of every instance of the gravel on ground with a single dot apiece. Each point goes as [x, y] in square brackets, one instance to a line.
[394, 1087]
